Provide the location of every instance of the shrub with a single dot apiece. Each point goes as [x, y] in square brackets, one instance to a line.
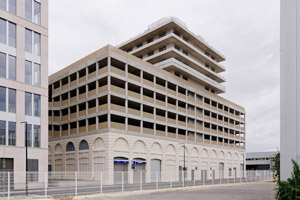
[276, 167]
[289, 189]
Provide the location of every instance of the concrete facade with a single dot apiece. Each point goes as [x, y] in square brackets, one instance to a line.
[39, 56]
[127, 108]
[289, 85]
[260, 160]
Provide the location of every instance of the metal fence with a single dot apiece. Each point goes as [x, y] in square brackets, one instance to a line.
[60, 184]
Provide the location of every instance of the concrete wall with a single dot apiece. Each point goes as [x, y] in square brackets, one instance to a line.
[110, 145]
[290, 85]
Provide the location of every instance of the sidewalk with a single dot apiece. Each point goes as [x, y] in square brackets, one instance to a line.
[254, 190]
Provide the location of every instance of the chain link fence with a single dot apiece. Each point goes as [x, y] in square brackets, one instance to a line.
[61, 184]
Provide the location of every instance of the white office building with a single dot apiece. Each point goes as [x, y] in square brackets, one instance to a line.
[289, 85]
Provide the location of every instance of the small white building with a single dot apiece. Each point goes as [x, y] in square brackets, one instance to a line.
[260, 160]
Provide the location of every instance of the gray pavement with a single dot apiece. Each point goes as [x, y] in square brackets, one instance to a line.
[247, 191]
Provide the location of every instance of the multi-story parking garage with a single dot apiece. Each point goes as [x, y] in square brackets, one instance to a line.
[152, 103]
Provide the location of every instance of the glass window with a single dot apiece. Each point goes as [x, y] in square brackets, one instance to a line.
[2, 31]
[28, 41]
[29, 136]
[37, 75]
[37, 135]
[33, 168]
[11, 100]
[2, 132]
[37, 44]
[70, 147]
[12, 133]
[12, 34]
[28, 104]
[37, 12]
[83, 145]
[3, 4]
[37, 105]
[12, 6]
[2, 99]
[28, 72]
[12, 68]
[2, 65]
[28, 10]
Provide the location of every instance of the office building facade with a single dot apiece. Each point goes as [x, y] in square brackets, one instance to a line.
[23, 85]
[289, 86]
[151, 106]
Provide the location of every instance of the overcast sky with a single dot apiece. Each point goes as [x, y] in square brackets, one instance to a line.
[245, 31]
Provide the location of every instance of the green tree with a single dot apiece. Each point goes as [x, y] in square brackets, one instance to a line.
[276, 167]
[289, 189]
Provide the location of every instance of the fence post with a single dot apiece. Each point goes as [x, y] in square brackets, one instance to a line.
[212, 180]
[101, 184]
[260, 175]
[194, 178]
[76, 184]
[46, 184]
[264, 174]
[221, 178]
[122, 181]
[8, 185]
[203, 178]
[170, 179]
[234, 177]
[246, 176]
[228, 178]
[141, 181]
[182, 175]
[157, 180]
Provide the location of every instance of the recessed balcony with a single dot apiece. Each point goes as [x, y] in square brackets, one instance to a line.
[117, 90]
[92, 75]
[134, 128]
[103, 125]
[82, 79]
[134, 94]
[117, 71]
[102, 107]
[160, 133]
[117, 108]
[181, 137]
[134, 77]
[102, 70]
[148, 131]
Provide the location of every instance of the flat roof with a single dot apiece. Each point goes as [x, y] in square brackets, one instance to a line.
[264, 154]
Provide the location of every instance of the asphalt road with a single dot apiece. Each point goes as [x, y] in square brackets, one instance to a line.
[247, 191]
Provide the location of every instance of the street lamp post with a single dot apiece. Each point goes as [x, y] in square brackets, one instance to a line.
[26, 156]
[184, 163]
